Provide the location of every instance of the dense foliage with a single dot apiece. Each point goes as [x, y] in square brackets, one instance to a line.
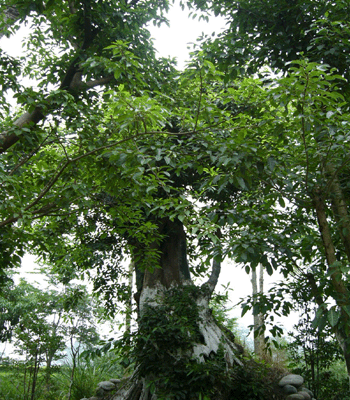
[112, 153]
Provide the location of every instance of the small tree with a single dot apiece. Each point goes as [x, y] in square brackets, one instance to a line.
[47, 319]
[312, 352]
[259, 325]
[80, 329]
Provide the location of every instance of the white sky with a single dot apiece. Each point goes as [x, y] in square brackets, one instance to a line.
[176, 42]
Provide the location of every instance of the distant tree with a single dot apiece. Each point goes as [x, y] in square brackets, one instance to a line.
[259, 325]
[312, 352]
[45, 320]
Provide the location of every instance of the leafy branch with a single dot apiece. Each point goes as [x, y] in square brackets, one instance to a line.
[68, 162]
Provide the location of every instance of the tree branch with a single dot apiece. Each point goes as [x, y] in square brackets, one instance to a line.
[215, 271]
[96, 82]
[334, 270]
[27, 157]
[11, 15]
[59, 172]
[214, 276]
[10, 137]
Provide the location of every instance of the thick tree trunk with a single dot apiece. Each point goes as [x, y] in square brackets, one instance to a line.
[177, 333]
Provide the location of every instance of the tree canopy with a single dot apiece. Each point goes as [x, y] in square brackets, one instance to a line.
[243, 154]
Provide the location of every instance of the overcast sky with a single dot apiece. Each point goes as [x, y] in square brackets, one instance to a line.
[177, 40]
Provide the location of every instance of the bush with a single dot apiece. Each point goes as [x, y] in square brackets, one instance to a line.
[255, 381]
[88, 373]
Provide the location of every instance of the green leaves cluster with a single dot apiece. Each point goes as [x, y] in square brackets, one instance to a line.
[128, 140]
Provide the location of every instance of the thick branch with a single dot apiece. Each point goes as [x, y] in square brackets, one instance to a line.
[215, 271]
[54, 179]
[336, 277]
[335, 273]
[11, 15]
[10, 137]
[71, 79]
[94, 83]
[214, 276]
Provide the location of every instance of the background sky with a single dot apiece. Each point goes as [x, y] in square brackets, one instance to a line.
[178, 39]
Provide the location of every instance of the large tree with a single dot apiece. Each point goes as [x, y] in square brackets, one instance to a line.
[119, 154]
[99, 164]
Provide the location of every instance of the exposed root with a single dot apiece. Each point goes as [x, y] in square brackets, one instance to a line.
[179, 337]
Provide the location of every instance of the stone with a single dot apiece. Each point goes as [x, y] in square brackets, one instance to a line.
[295, 396]
[305, 394]
[304, 389]
[115, 381]
[106, 385]
[289, 389]
[291, 379]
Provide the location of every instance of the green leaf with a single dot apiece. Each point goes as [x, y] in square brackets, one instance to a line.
[245, 309]
[271, 163]
[333, 316]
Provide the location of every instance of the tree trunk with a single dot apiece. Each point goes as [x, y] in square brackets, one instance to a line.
[342, 297]
[259, 339]
[74, 354]
[177, 332]
[128, 311]
[35, 373]
[339, 208]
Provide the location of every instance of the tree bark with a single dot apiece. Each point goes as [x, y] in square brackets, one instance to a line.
[258, 319]
[128, 311]
[343, 295]
[339, 208]
[11, 15]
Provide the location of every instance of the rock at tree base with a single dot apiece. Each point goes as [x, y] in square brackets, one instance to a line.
[289, 389]
[296, 396]
[291, 385]
[305, 395]
[106, 385]
[115, 381]
[291, 379]
[303, 389]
